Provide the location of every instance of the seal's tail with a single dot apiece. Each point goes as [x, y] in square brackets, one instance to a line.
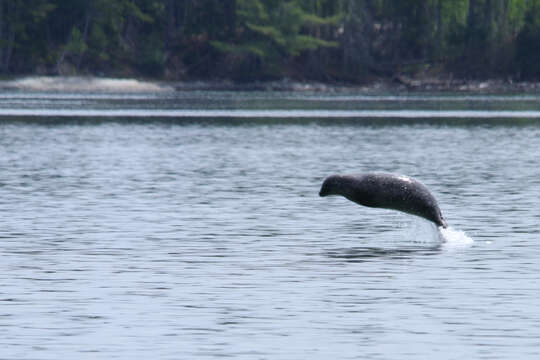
[444, 224]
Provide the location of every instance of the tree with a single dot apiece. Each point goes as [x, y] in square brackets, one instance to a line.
[528, 44]
[270, 33]
[21, 35]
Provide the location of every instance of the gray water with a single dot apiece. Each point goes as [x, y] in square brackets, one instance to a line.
[201, 238]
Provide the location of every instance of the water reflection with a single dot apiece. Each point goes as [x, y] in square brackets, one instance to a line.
[363, 254]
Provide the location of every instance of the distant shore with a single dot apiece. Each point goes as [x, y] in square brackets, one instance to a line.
[397, 85]
[378, 86]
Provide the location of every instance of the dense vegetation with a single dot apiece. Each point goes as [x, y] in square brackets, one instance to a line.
[347, 40]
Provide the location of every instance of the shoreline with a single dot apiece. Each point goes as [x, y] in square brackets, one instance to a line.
[398, 85]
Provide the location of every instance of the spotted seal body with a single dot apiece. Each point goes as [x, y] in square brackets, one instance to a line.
[389, 191]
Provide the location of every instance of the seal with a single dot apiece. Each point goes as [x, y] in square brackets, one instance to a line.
[388, 191]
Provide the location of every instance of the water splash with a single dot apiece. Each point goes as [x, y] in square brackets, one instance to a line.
[455, 239]
[417, 230]
[426, 232]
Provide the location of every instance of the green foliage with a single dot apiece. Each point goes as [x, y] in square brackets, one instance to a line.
[528, 44]
[250, 39]
[273, 32]
[21, 25]
[76, 45]
[283, 26]
[151, 58]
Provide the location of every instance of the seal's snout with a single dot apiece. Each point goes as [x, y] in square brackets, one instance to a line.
[327, 187]
[324, 189]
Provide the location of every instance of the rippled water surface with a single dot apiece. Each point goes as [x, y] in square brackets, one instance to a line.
[205, 238]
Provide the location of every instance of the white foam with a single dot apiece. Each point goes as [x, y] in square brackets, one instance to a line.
[455, 239]
[84, 84]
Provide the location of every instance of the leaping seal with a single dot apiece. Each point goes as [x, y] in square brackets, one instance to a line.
[389, 191]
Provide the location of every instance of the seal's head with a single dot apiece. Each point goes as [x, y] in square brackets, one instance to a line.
[331, 186]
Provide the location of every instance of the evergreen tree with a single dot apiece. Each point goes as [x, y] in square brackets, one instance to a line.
[528, 44]
[254, 39]
[271, 33]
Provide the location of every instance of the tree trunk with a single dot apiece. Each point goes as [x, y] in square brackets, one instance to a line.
[471, 17]
[85, 37]
[230, 11]
[439, 47]
[11, 42]
[171, 24]
[471, 46]
[2, 33]
[12, 14]
[490, 33]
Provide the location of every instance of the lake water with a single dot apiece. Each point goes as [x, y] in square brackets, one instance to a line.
[133, 228]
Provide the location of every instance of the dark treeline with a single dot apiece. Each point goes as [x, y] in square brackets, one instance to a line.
[325, 40]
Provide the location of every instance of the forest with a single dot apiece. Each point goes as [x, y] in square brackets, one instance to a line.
[246, 40]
